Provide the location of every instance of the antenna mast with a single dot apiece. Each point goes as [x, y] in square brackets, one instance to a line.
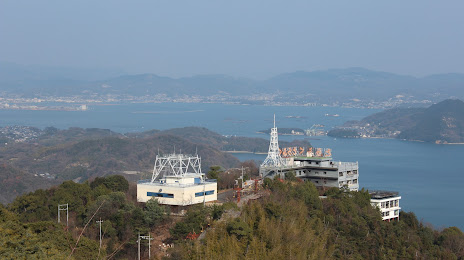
[176, 165]
[273, 158]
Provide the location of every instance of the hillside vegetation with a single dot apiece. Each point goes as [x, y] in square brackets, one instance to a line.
[290, 222]
[442, 122]
[293, 223]
[29, 229]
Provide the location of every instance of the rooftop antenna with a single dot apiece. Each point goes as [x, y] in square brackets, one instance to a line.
[274, 120]
[174, 149]
[196, 150]
[176, 165]
[158, 151]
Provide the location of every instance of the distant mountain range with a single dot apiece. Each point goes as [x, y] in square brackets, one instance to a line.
[334, 85]
[440, 123]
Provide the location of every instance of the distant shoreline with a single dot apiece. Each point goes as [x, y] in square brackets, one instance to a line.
[391, 138]
[244, 152]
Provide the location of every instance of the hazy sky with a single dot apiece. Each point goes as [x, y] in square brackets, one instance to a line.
[242, 38]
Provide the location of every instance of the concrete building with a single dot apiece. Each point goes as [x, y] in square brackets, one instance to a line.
[177, 180]
[388, 202]
[324, 172]
[313, 164]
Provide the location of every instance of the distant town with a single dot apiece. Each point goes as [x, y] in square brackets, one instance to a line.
[82, 102]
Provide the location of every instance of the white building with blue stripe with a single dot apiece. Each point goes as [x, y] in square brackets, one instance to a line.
[177, 180]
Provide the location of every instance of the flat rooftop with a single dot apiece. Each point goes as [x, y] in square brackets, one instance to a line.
[382, 194]
[312, 158]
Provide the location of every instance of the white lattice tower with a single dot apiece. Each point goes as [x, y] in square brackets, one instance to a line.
[273, 156]
[176, 165]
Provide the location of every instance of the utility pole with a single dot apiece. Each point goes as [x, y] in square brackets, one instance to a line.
[63, 207]
[149, 244]
[242, 177]
[100, 222]
[138, 240]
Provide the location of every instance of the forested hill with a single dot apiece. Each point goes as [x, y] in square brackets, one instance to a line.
[289, 221]
[440, 123]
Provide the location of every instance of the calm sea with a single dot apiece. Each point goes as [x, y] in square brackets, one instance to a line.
[429, 177]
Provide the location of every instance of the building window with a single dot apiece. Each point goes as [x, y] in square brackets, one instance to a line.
[382, 205]
[340, 174]
[397, 212]
[387, 213]
[355, 171]
[355, 181]
[325, 172]
[200, 194]
[160, 195]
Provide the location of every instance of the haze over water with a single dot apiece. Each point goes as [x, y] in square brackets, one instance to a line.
[428, 176]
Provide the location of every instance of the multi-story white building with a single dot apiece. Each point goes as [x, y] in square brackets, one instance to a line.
[314, 165]
[324, 172]
[320, 170]
[180, 182]
[388, 203]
